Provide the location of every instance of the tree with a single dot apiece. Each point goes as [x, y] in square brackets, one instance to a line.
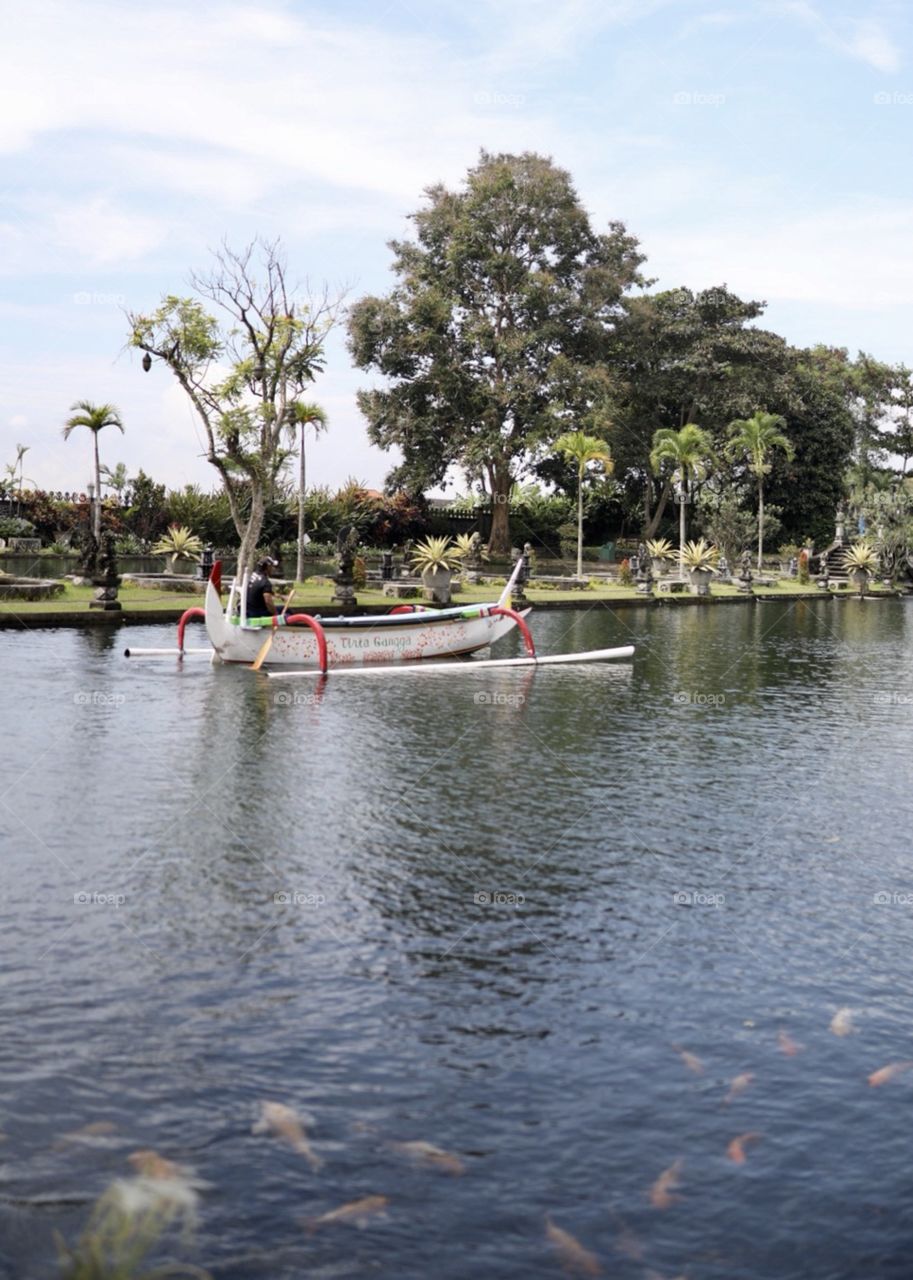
[304, 416]
[273, 348]
[94, 418]
[493, 337]
[755, 439]
[116, 479]
[583, 450]
[147, 516]
[689, 450]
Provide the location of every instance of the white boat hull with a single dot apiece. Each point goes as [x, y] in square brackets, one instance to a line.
[384, 638]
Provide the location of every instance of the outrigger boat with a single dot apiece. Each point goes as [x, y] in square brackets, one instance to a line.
[409, 637]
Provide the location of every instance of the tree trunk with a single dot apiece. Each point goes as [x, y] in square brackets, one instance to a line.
[580, 526]
[499, 539]
[299, 569]
[251, 534]
[653, 521]
[96, 514]
[760, 521]
[681, 531]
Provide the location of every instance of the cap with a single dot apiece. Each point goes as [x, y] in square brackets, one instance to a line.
[266, 562]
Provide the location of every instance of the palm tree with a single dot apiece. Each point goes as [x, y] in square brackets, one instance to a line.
[116, 479]
[583, 449]
[95, 417]
[689, 450]
[755, 438]
[304, 415]
[21, 451]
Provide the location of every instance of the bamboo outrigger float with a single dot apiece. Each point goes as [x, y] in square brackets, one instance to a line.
[409, 638]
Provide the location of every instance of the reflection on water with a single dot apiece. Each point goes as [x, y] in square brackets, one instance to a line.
[542, 920]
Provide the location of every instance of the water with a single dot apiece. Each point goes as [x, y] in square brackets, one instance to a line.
[504, 899]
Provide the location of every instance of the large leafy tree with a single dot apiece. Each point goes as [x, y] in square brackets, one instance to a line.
[686, 454]
[94, 417]
[244, 372]
[494, 335]
[583, 451]
[754, 439]
[680, 357]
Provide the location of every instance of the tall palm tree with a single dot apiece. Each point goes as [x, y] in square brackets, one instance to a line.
[755, 439]
[583, 449]
[95, 417]
[304, 415]
[21, 451]
[689, 450]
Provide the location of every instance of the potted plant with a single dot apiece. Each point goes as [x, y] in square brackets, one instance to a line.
[661, 552]
[179, 544]
[700, 559]
[860, 561]
[434, 560]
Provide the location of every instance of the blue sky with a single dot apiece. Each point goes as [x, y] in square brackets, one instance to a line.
[764, 144]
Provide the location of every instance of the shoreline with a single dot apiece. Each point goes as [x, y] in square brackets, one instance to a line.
[51, 619]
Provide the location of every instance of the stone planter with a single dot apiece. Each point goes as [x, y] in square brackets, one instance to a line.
[700, 581]
[436, 586]
[860, 580]
[659, 566]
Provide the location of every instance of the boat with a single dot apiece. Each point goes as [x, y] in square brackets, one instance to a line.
[408, 637]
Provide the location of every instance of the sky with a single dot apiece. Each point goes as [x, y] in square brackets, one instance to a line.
[763, 144]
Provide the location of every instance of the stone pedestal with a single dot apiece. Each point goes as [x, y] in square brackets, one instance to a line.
[344, 594]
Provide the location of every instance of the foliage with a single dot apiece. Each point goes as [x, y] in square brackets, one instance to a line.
[660, 549]
[861, 557]
[625, 576]
[179, 543]
[754, 439]
[146, 517]
[16, 527]
[273, 347]
[434, 554]
[494, 334]
[583, 451]
[700, 555]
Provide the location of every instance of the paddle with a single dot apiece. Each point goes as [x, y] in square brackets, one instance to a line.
[268, 642]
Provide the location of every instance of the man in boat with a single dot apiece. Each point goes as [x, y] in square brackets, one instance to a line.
[261, 601]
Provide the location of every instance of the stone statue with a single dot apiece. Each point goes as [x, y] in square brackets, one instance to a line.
[88, 554]
[406, 566]
[106, 579]
[346, 546]
[474, 555]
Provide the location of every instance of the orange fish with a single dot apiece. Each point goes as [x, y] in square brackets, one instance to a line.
[787, 1044]
[691, 1060]
[661, 1196]
[890, 1072]
[355, 1213]
[736, 1149]
[738, 1085]
[149, 1164]
[283, 1122]
[575, 1260]
[425, 1153]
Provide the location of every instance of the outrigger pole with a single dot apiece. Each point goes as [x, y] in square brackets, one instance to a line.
[455, 664]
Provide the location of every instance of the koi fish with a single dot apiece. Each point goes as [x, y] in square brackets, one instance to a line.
[355, 1213]
[787, 1044]
[575, 1260]
[149, 1164]
[691, 1060]
[628, 1244]
[842, 1022]
[281, 1121]
[97, 1134]
[890, 1072]
[661, 1192]
[425, 1153]
[736, 1149]
[738, 1085]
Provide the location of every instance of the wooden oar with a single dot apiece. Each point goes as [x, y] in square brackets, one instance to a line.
[268, 642]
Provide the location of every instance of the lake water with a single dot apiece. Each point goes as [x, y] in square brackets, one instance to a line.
[482, 911]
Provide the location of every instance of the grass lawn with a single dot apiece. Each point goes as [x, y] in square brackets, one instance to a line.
[309, 597]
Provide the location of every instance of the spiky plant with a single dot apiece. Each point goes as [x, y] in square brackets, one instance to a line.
[434, 554]
[700, 555]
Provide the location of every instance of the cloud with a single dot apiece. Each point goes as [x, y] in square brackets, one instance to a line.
[862, 38]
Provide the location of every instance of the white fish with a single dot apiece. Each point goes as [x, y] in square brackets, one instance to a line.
[283, 1122]
[426, 1154]
[842, 1022]
[575, 1259]
[738, 1085]
[661, 1196]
